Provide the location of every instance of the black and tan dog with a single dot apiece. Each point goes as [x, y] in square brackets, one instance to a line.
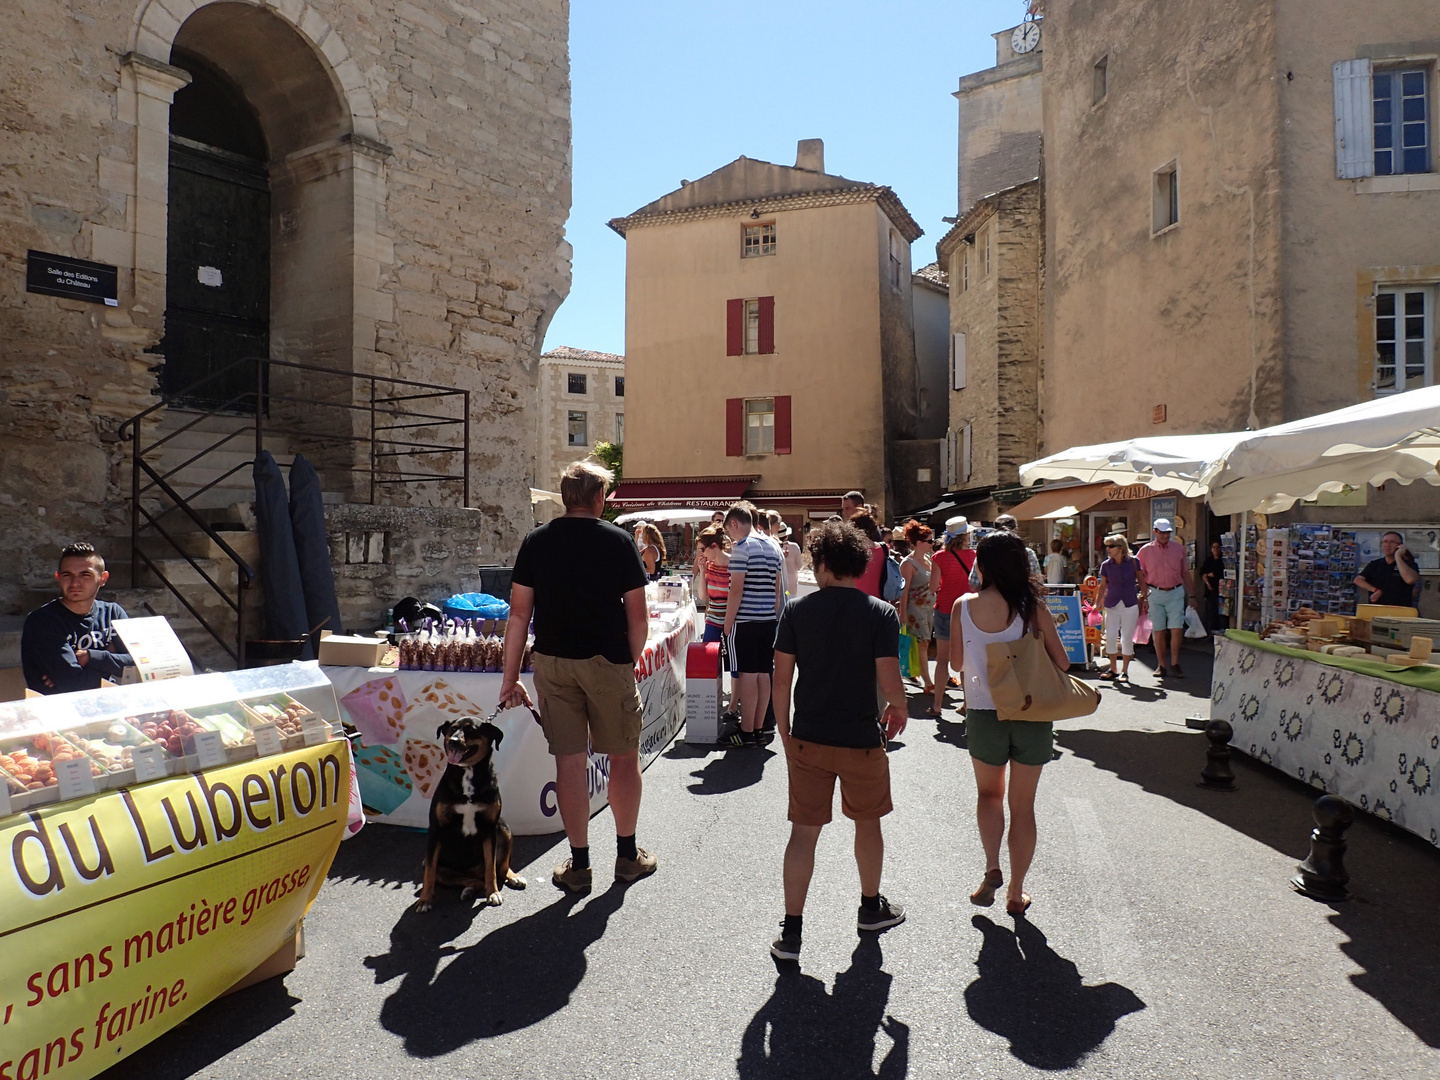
[468, 843]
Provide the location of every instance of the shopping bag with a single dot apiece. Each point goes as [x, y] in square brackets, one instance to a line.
[1094, 618]
[1025, 684]
[1194, 628]
[1142, 629]
[909, 658]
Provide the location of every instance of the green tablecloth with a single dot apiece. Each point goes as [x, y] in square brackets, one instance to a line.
[1426, 678]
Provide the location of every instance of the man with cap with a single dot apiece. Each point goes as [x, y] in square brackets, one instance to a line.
[1169, 591]
[1006, 523]
[950, 569]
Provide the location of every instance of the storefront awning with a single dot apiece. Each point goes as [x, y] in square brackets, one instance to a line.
[701, 492]
[1051, 503]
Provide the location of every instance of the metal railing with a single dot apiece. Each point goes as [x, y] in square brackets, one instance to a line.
[377, 447]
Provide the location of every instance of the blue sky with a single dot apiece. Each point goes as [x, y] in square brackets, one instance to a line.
[671, 91]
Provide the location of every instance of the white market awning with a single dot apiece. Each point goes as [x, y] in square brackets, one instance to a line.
[1161, 463]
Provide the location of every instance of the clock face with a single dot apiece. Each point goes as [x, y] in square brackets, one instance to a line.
[1025, 37]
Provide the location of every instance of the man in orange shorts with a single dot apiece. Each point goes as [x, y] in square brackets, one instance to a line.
[846, 644]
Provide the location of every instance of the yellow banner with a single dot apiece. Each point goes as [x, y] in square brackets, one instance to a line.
[123, 914]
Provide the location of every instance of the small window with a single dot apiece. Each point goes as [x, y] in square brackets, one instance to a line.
[1099, 80]
[965, 268]
[1404, 338]
[575, 383]
[1165, 209]
[987, 244]
[620, 429]
[752, 327]
[1401, 115]
[760, 426]
[619, 385]
[894, 259]
[577, 425]
[759, 240]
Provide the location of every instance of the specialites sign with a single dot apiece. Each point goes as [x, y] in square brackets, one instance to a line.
[77, 279]
[123, 914]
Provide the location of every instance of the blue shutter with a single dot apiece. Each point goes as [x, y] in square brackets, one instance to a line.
[1354, 135]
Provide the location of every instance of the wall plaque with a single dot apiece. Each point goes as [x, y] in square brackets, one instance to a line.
[60, 275]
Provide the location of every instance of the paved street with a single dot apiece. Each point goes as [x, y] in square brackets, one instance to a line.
[1164, 940]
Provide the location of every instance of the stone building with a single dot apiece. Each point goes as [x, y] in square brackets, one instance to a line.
[1000, 115]
[769, 342]
[375, 189]
[581, 402]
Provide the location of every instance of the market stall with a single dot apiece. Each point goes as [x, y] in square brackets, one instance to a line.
[398, 756]
[162, 842]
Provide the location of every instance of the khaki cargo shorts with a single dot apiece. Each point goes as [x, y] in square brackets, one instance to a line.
[864, 777]
[588, 703]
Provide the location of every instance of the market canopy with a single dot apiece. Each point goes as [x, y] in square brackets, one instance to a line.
[1395, 437]
[1051, 504]
[1161, 463]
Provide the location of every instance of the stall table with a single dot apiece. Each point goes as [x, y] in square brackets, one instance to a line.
[399, 760]
[1350, 727]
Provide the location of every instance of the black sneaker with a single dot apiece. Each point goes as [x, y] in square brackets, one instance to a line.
[739, 738]
[786, 946]
[764, 737]
[886, 915]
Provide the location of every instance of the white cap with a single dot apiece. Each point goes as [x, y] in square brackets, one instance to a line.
[957, 526]
[1162, 525]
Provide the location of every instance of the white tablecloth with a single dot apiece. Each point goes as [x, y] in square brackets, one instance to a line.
[1373, 742]
[399, 759]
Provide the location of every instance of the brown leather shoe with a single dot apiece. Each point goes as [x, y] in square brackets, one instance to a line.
[643, 865]
[984, 896]
[571, 880]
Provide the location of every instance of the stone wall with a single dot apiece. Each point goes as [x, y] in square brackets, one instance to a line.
[457, 141]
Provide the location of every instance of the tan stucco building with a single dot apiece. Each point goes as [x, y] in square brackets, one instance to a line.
[581, 401]
[769, 343]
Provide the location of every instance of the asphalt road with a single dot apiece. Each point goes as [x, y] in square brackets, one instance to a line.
[1164, 940]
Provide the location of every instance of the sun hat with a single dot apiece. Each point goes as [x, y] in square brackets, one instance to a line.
[957, 526]
[1162, 525]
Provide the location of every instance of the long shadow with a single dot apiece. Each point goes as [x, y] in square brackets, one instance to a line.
[952, 732]
[803, 1032]
[1394, 875]
[392, 855]
[515, 976]
[216, 1030]
[741, 767]
[1034, 997]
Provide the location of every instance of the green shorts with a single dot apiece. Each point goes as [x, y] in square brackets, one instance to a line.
[995, 741]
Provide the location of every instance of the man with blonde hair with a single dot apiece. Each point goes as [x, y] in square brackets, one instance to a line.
[582, 579]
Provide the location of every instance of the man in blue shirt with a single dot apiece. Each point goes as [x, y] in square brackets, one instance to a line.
[70, 643]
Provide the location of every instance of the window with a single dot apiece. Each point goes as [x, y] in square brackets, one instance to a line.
[759, 240]
[757, 426]
[750, 326]
[1404, 338]
[894, 259]
[619, 385]
[1400, 110]
[1165, 209]
[760, 426]
[988, 251]
[575, 383]
[1099, 80]
[577, 424]
[620, 429]
[964, 267]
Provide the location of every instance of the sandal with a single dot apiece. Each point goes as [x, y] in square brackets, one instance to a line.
[1108, 676]
[1018, 909]
[984, 896]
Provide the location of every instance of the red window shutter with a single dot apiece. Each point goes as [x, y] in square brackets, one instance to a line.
[734, 427]
[767, 324]
[734, 327]
[782, 424]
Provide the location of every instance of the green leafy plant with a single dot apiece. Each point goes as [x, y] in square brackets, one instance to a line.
[612, 456]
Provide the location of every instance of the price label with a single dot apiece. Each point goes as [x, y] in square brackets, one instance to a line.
[210, 749]
[316, 730]
[76, 779]
[267, 739]
[149, 762]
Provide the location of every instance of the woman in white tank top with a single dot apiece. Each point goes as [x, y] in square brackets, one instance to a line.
[1008, 603]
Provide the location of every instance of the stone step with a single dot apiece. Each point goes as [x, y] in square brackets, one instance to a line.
[199, 545]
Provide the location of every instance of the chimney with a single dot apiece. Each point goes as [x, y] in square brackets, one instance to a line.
[810, 154]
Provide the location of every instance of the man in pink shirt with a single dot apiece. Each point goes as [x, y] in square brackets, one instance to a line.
[1168, 592]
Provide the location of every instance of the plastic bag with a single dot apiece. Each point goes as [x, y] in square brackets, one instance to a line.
[476, 605]
[1143, 627]
[1194, 628]
[1094, 618]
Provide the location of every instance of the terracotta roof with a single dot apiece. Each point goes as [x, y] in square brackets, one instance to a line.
[563, 354]
[935, 274]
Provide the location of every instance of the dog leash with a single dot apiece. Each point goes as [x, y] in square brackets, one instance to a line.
[500, 707]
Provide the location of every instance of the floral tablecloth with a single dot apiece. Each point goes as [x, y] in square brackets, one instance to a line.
[1373, 742]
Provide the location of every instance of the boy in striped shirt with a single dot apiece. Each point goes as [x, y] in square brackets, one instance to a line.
[757, 592]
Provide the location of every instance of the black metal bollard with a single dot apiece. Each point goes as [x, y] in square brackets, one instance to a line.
[1323, 875]
[1217, 775]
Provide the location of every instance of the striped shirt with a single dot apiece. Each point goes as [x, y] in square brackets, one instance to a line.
[759, 560]
[717, 593]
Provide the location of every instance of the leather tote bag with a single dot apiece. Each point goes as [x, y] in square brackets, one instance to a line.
[1026, 684]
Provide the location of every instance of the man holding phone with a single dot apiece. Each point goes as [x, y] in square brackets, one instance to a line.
[1391, 579]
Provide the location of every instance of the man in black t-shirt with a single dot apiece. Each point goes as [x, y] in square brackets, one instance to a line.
[583, 580]
[846, 644]
[71, 643]
[1391, 579]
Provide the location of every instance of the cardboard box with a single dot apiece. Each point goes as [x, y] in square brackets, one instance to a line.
[344, 650]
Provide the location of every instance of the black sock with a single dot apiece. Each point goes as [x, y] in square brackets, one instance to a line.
[625, 846]
[870, 903]
[792, 924]
[580, 857]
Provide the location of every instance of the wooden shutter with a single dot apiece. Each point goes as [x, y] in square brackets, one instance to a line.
[1354, 133]
[958, 362]
[734, 427]
[734, 327]
[782, 421]
[767, 326]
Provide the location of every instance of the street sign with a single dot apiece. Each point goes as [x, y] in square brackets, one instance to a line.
[77, 279]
